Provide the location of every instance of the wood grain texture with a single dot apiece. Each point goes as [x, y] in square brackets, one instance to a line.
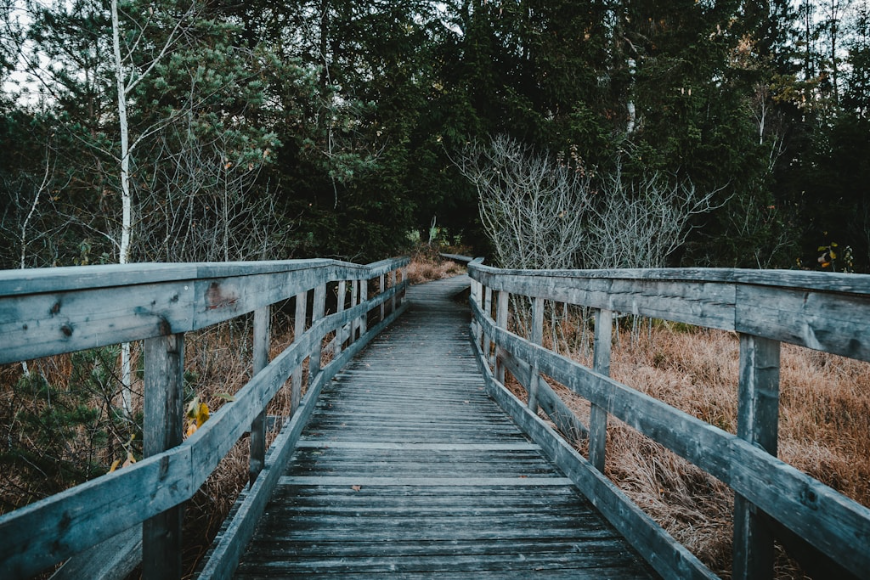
[822, 311]
[828, 520]
[51, 530]
[655, 545]
[57, 310]
[757, 423]
[408, 468]
[237, 530]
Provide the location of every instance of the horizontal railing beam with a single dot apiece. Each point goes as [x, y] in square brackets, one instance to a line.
[830, 312]
[828, 520]
[48, 531]
[59, 315]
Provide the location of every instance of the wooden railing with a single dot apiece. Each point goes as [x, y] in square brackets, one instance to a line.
[48, 312]
[826, 312]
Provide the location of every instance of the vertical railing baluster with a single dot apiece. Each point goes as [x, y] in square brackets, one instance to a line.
[363, 297]
[487, 309]
[404, 279]
[339, 308]
[298, 331]
[162, 430]
[317, 311]
[261, 360]
[757, 423]
[501, 321]
[476, 292]
[537, 338]
[354, 300]
[601, 365]
[394, 296]
[381, 291]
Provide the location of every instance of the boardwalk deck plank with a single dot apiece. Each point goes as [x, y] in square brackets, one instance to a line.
[408, 469]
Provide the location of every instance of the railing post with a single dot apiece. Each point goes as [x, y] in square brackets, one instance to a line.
[261, 360]
[404, 279]
[476, 297]
[601, 365]
[363, 297]
[298, 331]
[163, 427]
[317, 311]
[757, 423]
[537, 338]
[392, 285]
[339, 332]
[501, 322]
[487, 309]
[381, 291]
[354, 300]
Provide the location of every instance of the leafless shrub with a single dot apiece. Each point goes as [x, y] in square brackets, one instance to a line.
[639, 223]
[531, 206]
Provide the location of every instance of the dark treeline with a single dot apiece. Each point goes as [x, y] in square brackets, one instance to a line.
[264, 129]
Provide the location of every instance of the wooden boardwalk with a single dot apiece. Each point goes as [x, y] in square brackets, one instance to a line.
[407, 468]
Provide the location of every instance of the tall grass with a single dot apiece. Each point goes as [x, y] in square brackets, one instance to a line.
[824, 426]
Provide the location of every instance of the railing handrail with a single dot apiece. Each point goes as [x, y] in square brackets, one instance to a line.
[821, 311]
[829, 312]
[57, 303]
[44, 302]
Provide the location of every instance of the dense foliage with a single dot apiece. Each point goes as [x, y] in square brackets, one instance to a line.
[330, 127]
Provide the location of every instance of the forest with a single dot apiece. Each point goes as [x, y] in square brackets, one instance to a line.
[190, 130]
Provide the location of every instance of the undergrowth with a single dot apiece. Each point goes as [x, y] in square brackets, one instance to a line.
[824, 427]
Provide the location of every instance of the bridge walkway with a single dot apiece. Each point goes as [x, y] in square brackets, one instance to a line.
[408, 469]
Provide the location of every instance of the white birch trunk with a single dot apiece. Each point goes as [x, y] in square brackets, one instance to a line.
[126, 202]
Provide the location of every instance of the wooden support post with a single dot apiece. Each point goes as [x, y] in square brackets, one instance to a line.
[363, 297]
[476, 297]
[601, 365]
[381, 291]
[163, 426]
[758, 423]
[537, 338]
[298, 331]
[404, 279]
[339, 332]
[261, 360]
[487, 309]
[393, 297]
[354, 300]
[501, 321]
[317, 311]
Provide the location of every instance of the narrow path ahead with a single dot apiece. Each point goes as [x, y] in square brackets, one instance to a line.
[408, 469]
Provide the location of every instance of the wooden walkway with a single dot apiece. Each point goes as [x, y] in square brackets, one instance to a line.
[408, 469]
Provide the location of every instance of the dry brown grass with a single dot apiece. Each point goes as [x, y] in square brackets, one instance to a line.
[427, 265]
[824, 430]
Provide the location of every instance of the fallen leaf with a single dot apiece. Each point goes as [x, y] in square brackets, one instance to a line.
[130, 460]
[115, 465]
[356, 487]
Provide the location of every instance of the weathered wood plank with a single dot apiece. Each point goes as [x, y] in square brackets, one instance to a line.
[828, 520]
[53, 529]
[222, 562]
[819, 320]
[163, 426]
[709, 304]
[445, 468]
[257, 453]
[654, 544]
[757, 423]
[298, 330]
[601, 365]
[113, 559]
[43, 313]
